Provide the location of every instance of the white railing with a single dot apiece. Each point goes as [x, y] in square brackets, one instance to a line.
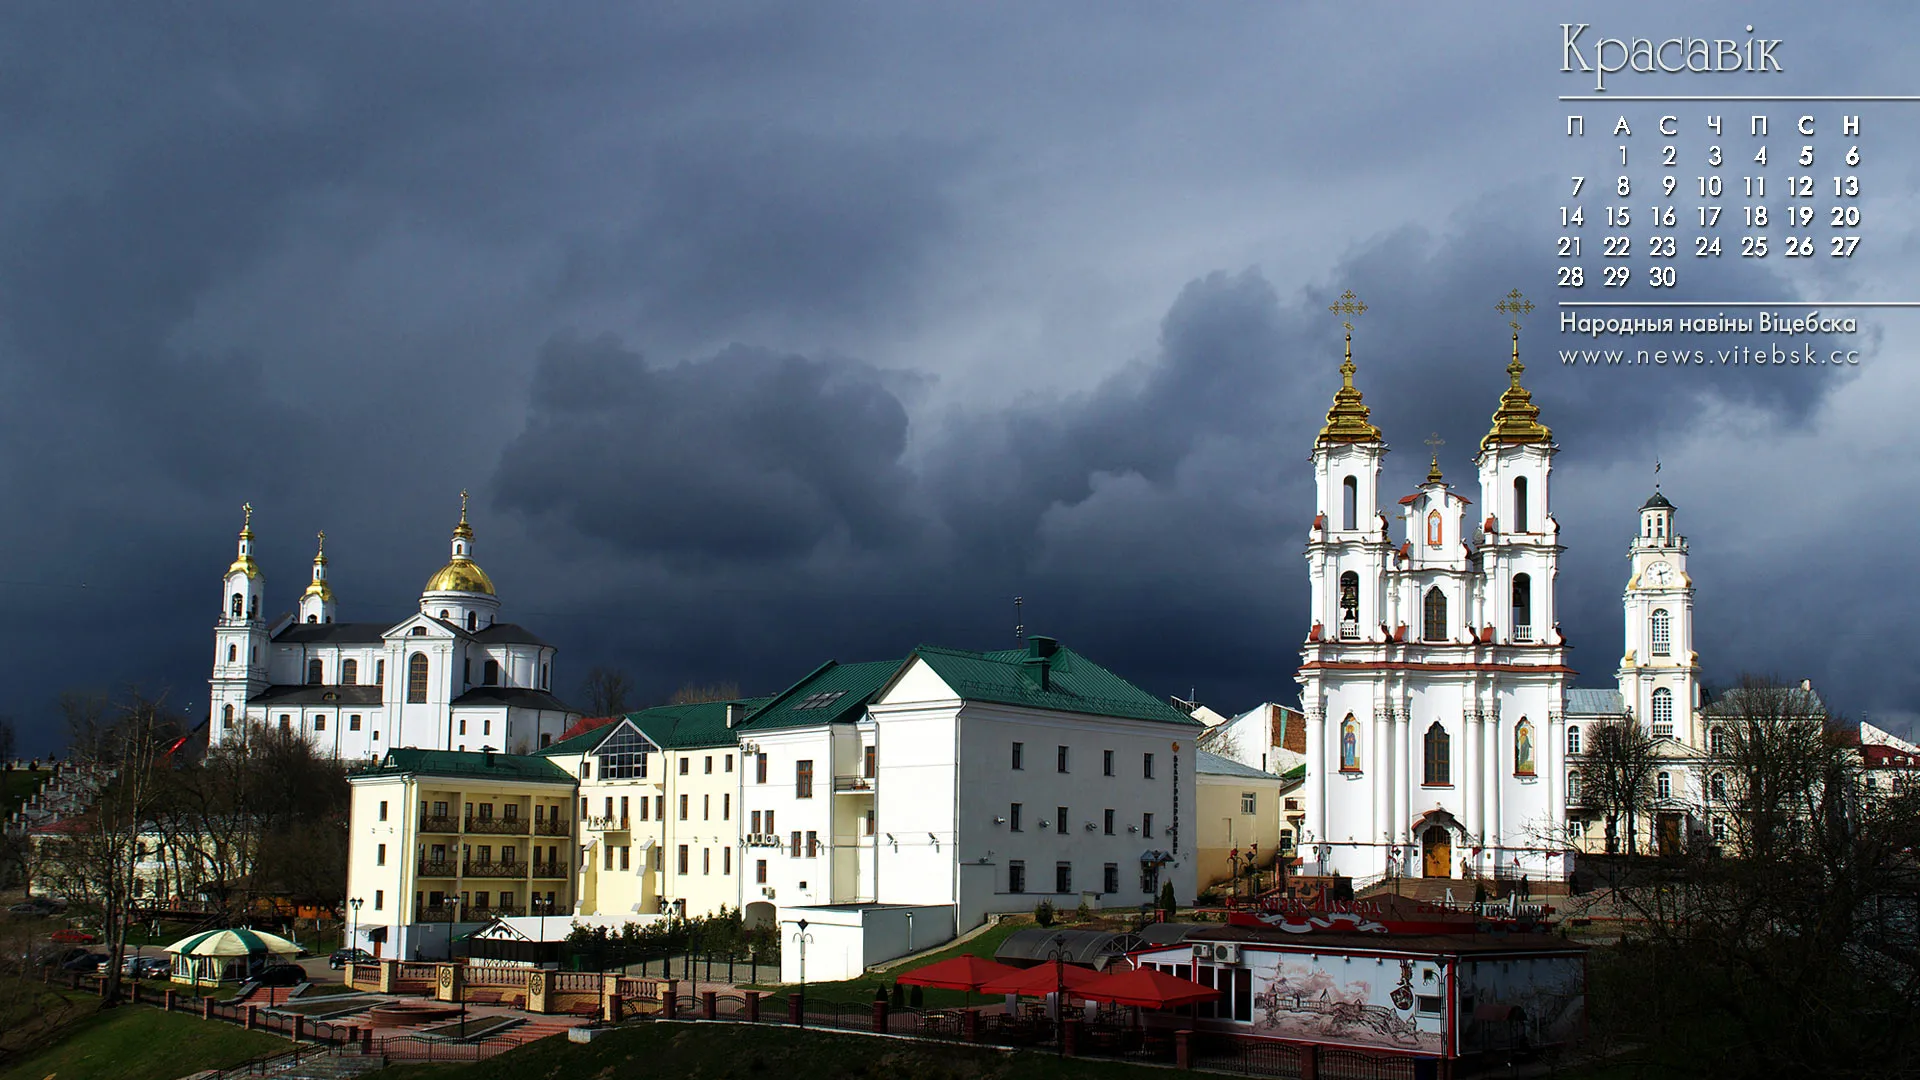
[1349, 630]
[1523, 632]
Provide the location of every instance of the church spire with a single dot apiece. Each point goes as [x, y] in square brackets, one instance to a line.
[243, 554]
[1347, 420]
[319, 587]
[1517, 420]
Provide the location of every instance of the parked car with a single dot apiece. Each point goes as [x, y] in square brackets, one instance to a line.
[85, 962]
[146, 967]
[342, 957]
[282, 975]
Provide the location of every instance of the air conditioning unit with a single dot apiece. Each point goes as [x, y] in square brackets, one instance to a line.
[1203, 951]
[1226, 952]
[766, 891]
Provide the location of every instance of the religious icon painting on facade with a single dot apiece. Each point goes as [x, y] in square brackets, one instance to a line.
[1349, 745]
[1523, 749]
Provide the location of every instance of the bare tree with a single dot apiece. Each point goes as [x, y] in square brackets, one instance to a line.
[607, 691]
[1617, 777]
[695, 693]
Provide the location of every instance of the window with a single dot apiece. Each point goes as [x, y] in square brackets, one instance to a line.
[709, 765]
[380, 854]
[729, 760]
[683, 807]
[624, 756]
[1522, 608]
[1433, 625]
[1016, 876]
[726, 806]
[1350, 604]
[1716, 742]
[1350, 503]
[1060, 760]
[1663, 786]
[233, 653]
[623, 809]
[706, 860]
[1063, 877]
[1573, 740]
[609, 851]
[1719, 830]
[1660, 632]
[685, 761]
[1110, 878]
[1109, 821]
[867, 762]
[813, 844]
[353, 722]
[226, 717]
[1019, 752]
[1719, 788]
[236, 605]
[1439, 756]
[803, 779]
[706, 808]
[682, 854]
[1662, 712]
[1146, 825]
[759, 871]
[1060, 820]
[417, 675]
[1519, 504]
[544, 683]
[869, 821]
[819, 700]
[473, 620]
[759, 768]
[1106, 763]
[1146, 766]
[624, 855]
[1249, 802]
[644, 815]
[383, 809]
[286, 722]
[379, 899]
[660, 809]
[490, 674]
[349, 672]
[793, 845]
[1573, 788]
[314, 672]
[463, 725]
[755, 826]
[1013, 817]
[379, 673]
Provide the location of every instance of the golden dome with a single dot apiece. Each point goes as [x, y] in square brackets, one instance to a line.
[1517, 420]
[320, 589]
[461, 575]
[245, 565]
[1347, 420]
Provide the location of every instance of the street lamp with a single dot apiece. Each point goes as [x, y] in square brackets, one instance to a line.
[1058, 954]
[353, 935]
[453, 916]
[801, 938]
[540, 905]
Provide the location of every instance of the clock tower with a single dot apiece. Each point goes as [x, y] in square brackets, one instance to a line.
[1659, 672]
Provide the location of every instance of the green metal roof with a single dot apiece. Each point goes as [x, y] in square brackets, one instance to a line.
[467, 763]
[580, 743]
[1073, 682]
[687, 727]
[831, 693]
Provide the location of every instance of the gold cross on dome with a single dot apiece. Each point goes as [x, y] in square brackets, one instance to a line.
[1515, 305]
[247, 509]
[1436, 442]
[1350, 306]
[463, 504]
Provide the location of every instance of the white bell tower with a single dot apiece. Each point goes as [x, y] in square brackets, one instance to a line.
[316, 604]
[239, 641]
[1659, 671]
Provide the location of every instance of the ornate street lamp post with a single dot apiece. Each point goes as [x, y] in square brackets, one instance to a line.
[1058, 954]
[801, 938]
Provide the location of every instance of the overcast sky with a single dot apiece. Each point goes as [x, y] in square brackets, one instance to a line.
[766, 334]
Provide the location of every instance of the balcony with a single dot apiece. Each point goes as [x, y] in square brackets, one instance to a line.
[434, 868]
[433, 913]
[853, 785]
[497, 826]
[1349, 630]
[606, 823]
[1663, 731]
[439, 823]
[554, 869]
[494, 870]
[553, 826]
[1522, 633]
[481, 914]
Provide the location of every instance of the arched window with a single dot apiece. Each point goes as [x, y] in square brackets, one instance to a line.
[443, 614]
[1663, 786]
[473, 621]
[1573, 740]
[1718, 786]
[1717, 742]
[1433, 623]
[1522, 608]
[1660, 632]
[238, 605]
[490, 675]
[1573, 787]
[1433, 528]
[1349, 604]
[226, 716]
[349, 672]
[313, 618]
[233, 653]
[314, 672]
[417, 679]
[419, 631]
[379, 673]
[1439, 755]
[253, 607]
[1663, 711]
[1519, 504]
[1350, 503]
[1523, 748]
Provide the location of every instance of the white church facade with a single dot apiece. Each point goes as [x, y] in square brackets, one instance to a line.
[1434, 672]
[450, 676]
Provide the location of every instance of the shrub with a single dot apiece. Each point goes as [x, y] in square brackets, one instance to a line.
[1167, 902]
[1043, 914]
[1084, 911]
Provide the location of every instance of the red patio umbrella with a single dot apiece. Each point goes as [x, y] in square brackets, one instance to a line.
[958, 973]
[1146, 988]
[1041, 981]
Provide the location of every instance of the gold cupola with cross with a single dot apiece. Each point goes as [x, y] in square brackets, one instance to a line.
[1347, 420]
[316, 604]
[1517, 420]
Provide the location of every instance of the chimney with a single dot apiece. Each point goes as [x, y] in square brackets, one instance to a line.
[736, 712]
[488, 750]
[1039, 660]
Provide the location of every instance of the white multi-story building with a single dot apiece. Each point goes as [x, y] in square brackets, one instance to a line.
[1434, 670]
[450, 677]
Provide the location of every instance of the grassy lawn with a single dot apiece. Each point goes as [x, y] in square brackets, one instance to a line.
[138, 1043]
[729, 1051]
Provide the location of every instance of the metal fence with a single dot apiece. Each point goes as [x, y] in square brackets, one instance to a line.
[1246, 1057]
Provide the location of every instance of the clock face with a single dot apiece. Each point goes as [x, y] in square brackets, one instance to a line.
[1658, 574]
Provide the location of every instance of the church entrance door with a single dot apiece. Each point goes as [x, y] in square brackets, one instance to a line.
[1669, 837]
[1436, 853]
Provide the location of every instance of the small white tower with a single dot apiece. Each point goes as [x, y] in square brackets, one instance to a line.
[240, 642]
[1659, 671]
[316, 604]
[461, 593]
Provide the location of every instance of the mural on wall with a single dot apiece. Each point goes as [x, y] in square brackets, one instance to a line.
[1298, 998]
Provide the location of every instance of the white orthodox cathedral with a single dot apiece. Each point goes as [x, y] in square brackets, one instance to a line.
[449, 677]
[1434, 677]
